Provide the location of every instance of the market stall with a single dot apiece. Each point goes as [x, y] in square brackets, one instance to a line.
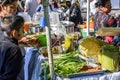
[70, 56]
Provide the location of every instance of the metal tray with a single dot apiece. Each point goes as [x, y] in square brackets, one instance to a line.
[83, 76]
[96, 74]
[87, 74]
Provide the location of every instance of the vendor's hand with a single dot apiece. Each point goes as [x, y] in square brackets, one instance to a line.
[24, 40]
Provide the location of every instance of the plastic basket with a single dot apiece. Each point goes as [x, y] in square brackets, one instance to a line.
[42, 38]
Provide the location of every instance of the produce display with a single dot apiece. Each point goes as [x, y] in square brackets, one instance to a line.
[90, 46]
[34, 42]
[68, 64]
[69, 41]
[55, 50]
[90, 68]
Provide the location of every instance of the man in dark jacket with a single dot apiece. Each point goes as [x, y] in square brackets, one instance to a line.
[10, 54]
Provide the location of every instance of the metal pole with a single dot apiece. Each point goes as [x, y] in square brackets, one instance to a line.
[88, 20]
[48, 34]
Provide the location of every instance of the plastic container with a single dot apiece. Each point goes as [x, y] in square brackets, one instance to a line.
[54, 18]
[84, 32]
[69, 43]
[26, 27]
[69, 26]
[36, 17]
[42, 38]
[27, 19]
[26, 16]
[33, 30]
[110, 57]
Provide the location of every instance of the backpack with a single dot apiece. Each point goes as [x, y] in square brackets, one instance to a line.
[73, 12]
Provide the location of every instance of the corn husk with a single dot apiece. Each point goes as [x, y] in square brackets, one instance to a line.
[108, 31]
[90, 46]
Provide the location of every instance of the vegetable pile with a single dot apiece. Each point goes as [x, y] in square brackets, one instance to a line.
[67, 64]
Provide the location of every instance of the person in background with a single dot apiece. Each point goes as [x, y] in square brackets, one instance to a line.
[92, 7]
[103, 19]
[10, 7]
[22, 3]
[7, 7]
[40, 6]
[54, 5]
[67, 11]
[30, 6]
[75, 14]
[58, 3]
[20, 7]
[81, 3]
[10, 54]
[102, 16]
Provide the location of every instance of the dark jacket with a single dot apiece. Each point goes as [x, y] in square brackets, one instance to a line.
[75, 14]
[10, 59]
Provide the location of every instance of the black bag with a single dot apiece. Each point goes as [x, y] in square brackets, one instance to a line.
[73, 12]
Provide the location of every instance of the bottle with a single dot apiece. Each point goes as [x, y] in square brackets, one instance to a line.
[27, 19]
[36, 17]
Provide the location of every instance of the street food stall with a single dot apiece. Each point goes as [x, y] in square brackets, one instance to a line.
[67, 54]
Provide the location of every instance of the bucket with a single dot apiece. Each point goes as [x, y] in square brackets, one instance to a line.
[26, 27]
[54, 18]
[110, 57]
[43, 40]
[84, 32]
[69, 26]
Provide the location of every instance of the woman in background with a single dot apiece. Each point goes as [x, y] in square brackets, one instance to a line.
[30, 6]
[9, 7]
